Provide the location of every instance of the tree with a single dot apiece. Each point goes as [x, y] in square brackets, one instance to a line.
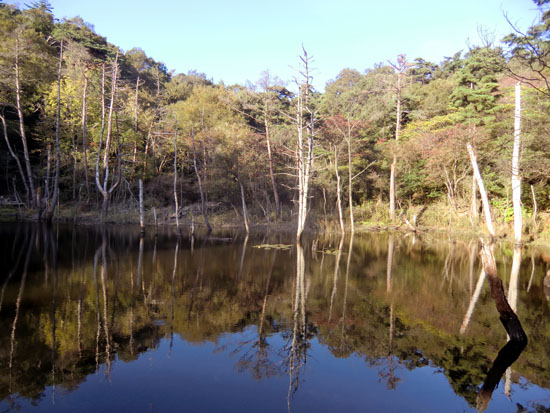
[102, 183]
[305, 121]
[343, 105]
[400, 69]
[531, 51]
[476, 94]
[25, 51]
[516, 178]
[267, 85]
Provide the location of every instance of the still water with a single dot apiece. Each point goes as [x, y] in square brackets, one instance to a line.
[97, 319]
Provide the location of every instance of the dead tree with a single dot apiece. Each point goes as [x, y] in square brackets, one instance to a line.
[103, 186]
[51, 208]
[400, 69]
[305, 120]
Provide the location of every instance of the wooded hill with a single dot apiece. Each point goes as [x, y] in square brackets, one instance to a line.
[83, 121]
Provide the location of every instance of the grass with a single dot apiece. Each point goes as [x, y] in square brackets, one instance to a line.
[372, 215]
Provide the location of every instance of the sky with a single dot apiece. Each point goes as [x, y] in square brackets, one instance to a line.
[234, 41]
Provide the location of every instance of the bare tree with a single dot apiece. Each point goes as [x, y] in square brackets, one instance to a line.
[18, 91]
[203, 201]
[516, 179]
[103, 187]
[481, 186]
[305, 119]
[176, 205]
[55, 196]
[266, 85]
[400, 68]
[14, 156]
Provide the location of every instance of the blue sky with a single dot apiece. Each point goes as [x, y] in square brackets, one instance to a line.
[236, 40]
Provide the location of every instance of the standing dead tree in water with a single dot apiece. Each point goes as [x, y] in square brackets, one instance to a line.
[483, 193]
[509, 319]
[305, 120]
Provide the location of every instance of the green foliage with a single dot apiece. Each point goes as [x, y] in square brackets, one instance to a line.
[476, 94]
[465, 98]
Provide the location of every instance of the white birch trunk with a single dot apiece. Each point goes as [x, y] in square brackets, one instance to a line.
[516, 179]
[141, 215]
[176, 205]
[483, 193]
[55, 197]
[350, 177]
[26, 157]
[84, 122]
[338, 191]
[304, 160]
[394, 160]
[534, 215]
[474, 199]
[245, 213]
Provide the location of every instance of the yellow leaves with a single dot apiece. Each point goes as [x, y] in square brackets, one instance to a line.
[436, 124]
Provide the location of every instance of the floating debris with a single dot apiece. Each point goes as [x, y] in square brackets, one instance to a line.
[274, 246]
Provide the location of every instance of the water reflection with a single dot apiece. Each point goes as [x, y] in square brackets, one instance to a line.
[506, 307]
[76, 303]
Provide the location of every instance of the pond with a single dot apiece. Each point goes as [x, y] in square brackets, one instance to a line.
[98, 319]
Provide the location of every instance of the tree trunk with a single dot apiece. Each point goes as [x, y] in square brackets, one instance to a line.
[514, 278]
[389, 264]
[508, 317]
[483, 193]
[245, 213]
[84, 122]
[392, 187]
[516, 179]
[304, 157]
[14, 156]
[136, 118]
[55, 197]
[270, 158]
[350, 177]
[338, 191]
[400, 68]
[109, 136]
[534, 215]
[141, 215]
[104, 186]
[176, 205]
[474, 200]
[394, 160]
[203, 203]
[26, 157]
[473, 302]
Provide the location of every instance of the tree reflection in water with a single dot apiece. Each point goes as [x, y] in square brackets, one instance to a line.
[256, 355]
[299, 343]
[389, 373]
[83, 309]
[516, 335]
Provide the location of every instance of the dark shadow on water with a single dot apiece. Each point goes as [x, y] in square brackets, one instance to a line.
[506, 357]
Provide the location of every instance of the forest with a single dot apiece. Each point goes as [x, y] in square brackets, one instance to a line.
[85, 125]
